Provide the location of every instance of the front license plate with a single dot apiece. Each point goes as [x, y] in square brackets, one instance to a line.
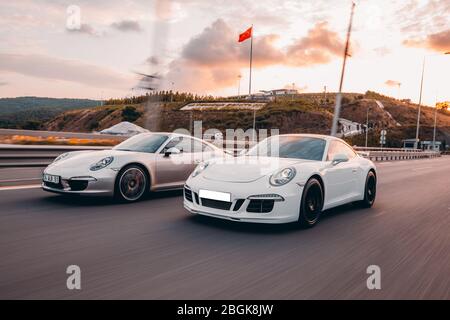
[215, 195]
[51, 178]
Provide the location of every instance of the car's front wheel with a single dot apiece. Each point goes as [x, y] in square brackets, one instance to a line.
[311, 203]
[131, 184]
[370, 190]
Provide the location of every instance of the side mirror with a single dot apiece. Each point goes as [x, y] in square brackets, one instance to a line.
[170, 151]
[338, 158]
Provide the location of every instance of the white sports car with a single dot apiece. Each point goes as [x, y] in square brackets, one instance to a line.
[145, 162]
[282, 179]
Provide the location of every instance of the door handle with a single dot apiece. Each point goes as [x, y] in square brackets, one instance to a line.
[197, 161]
[354, 170]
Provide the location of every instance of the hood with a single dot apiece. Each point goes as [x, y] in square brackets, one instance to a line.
[246, 169]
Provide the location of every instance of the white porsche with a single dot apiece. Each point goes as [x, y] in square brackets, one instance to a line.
[143, 163]
[282, 179]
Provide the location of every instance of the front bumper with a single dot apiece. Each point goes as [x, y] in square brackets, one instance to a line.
[83, 182]
[284, 211]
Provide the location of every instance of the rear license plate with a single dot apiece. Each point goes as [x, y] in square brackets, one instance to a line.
[215, 195]
[51, 178]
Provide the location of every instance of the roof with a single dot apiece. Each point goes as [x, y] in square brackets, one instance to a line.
[312, 135]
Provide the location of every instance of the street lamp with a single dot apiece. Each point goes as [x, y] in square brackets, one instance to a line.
[293, 88]
[416, 142]
[434, 128]
[239, 85]
[367, 124]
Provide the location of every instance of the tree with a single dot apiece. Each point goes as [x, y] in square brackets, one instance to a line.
[31, 125]
[445, 105]
[130, 114]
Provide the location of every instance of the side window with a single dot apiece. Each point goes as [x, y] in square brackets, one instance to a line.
[332, 150]
[181, 143]
[207, 148]
[337, 147]
[348, 151]
[197, 146]
[188, 145]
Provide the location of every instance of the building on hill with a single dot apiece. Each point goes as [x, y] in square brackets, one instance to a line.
[268, 95]
[350, 128]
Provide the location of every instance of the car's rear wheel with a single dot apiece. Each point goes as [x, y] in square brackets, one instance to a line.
[370, 190]
[311, 203]
[131, 184]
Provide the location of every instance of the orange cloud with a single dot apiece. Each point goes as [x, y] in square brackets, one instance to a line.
[439, 41]
[319, 46]
[392, 83]
[212, 60]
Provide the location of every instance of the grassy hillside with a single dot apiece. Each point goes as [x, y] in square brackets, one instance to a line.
[307, 113]
[31, 112]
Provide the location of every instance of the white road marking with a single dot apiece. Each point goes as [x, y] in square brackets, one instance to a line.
[379, 213]
[31, 186]
[421, 168]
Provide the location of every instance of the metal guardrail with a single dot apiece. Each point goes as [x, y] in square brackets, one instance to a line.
[34, 155]
[389, 154]
[41, 156]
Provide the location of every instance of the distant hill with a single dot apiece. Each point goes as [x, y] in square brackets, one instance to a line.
[306, 113]
[31, 112]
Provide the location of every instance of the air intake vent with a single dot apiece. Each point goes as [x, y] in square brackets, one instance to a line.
[187, 194]
[197, 199]
[216, 204]
[260, 206]
[238, 204]
[78, 185]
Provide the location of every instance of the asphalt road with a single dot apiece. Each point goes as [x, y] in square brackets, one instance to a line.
[155, 250]
[20, 176]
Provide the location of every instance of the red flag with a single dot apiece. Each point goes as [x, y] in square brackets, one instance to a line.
[246, 34]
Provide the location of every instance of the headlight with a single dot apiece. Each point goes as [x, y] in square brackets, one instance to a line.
[61, 156]
[282, 177]
[202, 166]
[101, 164]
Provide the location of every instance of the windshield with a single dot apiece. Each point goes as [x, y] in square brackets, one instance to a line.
[290, 147]
[142, 143]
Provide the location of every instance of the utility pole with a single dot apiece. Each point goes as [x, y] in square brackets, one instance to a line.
[337, 108]
[254, 123]
[435, 120]
[416, 142]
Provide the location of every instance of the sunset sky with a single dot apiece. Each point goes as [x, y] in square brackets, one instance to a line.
[193, 45]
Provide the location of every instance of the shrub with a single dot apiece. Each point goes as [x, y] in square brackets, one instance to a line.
[129, 113]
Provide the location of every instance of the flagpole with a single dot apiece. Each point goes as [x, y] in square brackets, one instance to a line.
[337, 107]
[250, 84]
[251, 56]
